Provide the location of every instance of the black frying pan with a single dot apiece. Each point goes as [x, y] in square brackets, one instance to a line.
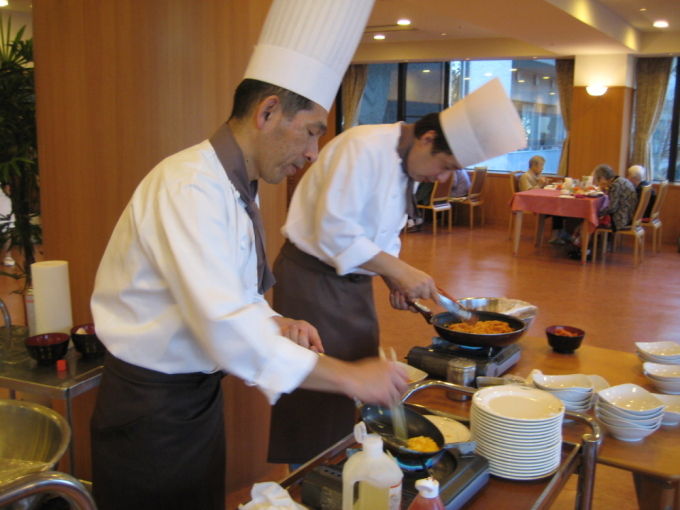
[440, 320]
[379, 421]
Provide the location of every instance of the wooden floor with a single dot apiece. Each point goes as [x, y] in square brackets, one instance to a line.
[615, 303]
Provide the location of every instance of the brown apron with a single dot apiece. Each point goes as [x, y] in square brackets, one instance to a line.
[158, 440]
[305, 422]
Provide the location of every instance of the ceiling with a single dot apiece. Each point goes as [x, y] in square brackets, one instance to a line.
[511, 28]
[502, 28]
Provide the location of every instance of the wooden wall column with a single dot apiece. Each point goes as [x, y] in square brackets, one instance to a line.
[600, 130]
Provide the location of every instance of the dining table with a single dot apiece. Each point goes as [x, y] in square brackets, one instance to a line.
[554, 202]
[654, 462]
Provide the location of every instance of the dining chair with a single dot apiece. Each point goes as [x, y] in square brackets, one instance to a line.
[654, 220]
[439, 201]
[635, 230]
[514, 188]
[475, 197]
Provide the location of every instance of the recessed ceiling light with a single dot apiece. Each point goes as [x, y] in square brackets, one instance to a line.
[379, 37]
[546, 77]
[426, 70]
[403, 22]
[660, 23]
[520, 81]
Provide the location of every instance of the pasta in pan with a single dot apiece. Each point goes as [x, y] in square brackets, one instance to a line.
[481, 327]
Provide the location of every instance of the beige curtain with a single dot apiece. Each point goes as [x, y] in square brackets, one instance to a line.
[565, 86]
[353, 84]
[650, 83]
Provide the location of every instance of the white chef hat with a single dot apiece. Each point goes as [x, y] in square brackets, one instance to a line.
[483, 125]
[306, 45]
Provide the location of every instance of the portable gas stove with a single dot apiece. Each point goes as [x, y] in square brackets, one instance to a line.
[490, 361]
[460, 476]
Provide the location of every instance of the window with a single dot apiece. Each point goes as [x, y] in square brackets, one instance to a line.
[665, 146]
[407, 91]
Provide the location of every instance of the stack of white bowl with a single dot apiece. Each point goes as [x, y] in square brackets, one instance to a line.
[629, 412]
[671, 415]
[574, 390]
[518, 429]
[666, 352]
[666, 378]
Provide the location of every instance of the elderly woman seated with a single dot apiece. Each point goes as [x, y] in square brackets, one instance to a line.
[636, 175]
[622, 196]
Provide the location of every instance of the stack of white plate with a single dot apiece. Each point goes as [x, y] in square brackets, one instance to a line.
[574, 390]
[671, 415]
[665, 377]
[629, 412]
[518, 429]
[659, 352]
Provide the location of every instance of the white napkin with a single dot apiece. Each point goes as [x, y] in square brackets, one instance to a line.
[270, 496]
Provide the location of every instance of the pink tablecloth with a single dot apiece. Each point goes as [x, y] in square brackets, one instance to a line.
[548, 201]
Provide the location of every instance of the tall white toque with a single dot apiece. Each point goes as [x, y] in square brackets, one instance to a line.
[306, 45]
[483, 125]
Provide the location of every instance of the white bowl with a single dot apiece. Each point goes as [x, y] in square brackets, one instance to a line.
[671, 415]
[658, 359]
[632, 398]
[577, 383]
[627, 422]
[670, 387]
[659, 349]
[629, 415]
[598, 382]
[629, 434]
[661, 371]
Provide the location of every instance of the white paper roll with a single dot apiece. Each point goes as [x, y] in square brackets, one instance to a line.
[52, 297]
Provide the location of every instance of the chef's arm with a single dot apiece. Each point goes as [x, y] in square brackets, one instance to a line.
[370, 380]
[403, 280]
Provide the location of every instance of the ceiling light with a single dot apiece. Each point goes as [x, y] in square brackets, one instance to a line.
[514, 69]
[426, 70]
[379, 37]
[443, 34]
[546, 77]
[551, 93]
[520, 81]
[660, 23]
[596, 90]
[4, 3]
[643, 9]
[403, 22]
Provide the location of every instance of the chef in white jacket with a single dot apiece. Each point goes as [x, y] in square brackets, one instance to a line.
[178, 294]
[343, 228]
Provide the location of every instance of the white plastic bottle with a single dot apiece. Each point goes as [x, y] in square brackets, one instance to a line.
[377, 474]
[428, 496]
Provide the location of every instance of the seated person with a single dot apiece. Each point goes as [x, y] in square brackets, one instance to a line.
[622, 197]
[532, 179]
[636, 174]
[461, 184]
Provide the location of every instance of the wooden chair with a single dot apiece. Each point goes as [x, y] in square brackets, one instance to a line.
[474, 197]
[514, 188]
[634, 229]
[439, 201]
[654, 220]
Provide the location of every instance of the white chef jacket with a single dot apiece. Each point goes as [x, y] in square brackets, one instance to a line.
[176, 290]
[351, 203]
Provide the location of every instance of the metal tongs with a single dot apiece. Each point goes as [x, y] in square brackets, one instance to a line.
[397, 409]
[454, 307]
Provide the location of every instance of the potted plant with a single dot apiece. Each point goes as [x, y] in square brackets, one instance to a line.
[18, 151]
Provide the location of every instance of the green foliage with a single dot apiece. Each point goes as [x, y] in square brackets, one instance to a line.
[18, 146]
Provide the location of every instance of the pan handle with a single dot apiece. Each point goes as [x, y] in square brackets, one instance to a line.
[424, 310]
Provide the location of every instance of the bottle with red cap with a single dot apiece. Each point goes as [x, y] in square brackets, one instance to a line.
[428, 496]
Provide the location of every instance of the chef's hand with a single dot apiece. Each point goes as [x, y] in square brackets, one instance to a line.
[376, 381]
[409, 283]
[301, 332]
